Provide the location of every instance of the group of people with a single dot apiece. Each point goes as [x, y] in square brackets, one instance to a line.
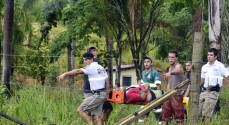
[212, 75]
[96, 87]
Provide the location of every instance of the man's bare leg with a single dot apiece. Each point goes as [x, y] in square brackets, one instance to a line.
[84, 116]
[105, 115]
[96, 120]
[164, 123]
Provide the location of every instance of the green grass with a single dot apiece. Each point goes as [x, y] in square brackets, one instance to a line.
[37, 105]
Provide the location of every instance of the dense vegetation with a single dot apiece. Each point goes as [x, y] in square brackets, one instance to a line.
[45, 30]
[47, 105]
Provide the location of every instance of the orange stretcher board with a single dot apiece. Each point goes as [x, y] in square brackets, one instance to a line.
[118, 96]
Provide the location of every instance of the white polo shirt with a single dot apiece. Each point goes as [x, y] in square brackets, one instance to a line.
[96, 75]
[214, 74]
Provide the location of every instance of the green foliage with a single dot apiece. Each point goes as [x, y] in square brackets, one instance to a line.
[35, 64]
[179, 38]
[47, 105]
[2, 95]
[178, 5]
[52, 13]
[41, 105]
[58, 46]
[51, 77]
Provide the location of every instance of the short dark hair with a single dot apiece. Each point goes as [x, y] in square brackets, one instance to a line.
[148, 57]
[214, 50]
[174, 52]
[90, 48]
[88, 55]
[189, 62]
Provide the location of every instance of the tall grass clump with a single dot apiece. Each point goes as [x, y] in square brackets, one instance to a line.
[45, 105]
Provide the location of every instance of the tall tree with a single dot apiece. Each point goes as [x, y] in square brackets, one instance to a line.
[225, 37]
[7, 43]
[215, 15]
[138, 23]
[1, 28]
[97, 16]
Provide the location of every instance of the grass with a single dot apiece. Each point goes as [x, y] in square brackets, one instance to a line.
[37, 105]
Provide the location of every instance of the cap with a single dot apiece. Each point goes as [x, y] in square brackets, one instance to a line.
[89, 48]
[148, 57]
[88, 55]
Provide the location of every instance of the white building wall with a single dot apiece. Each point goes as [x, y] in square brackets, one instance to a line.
[126, 73]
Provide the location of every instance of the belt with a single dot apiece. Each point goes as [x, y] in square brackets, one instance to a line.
[97, 91]
[211, 88]
[207, 89]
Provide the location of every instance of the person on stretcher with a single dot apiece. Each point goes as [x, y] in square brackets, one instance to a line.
[141, 92]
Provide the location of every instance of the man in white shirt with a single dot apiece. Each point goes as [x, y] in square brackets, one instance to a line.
[212, 75]
[97, 77]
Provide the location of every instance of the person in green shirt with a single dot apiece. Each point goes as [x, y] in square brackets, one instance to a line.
[150, 75]
[153, 78]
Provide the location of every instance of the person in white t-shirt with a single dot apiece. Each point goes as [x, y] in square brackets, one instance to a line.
[212, 75]
[97, 76]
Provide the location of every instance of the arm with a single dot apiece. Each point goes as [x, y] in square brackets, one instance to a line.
[146, 86]
[107, 84]
[177, 71]
[107, 87]
[158, 87]
[201, 81]
[70, 73]
[168, 87]
[187, 92]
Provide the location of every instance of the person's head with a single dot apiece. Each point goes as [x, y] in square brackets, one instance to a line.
[87, 58]
[173, 57]
[92, 50]
[212, 55]
[188, 66]
[148, 62]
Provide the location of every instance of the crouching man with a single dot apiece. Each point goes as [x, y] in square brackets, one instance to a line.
[97, 77]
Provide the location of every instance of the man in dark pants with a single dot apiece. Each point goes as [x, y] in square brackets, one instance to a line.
[107, 107]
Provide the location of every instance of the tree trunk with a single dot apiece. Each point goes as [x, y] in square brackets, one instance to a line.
[109, 43]
[119, 49]
[225, 38]
[197, 58]
[118, 65]
[7, 43]
[42, 80]
[71, 62]
[215, 11]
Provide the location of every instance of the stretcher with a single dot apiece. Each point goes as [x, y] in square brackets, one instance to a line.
[119, 96]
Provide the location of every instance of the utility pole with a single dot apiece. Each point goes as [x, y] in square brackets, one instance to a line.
[197, 58]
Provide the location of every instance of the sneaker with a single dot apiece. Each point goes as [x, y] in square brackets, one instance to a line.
[140, 120]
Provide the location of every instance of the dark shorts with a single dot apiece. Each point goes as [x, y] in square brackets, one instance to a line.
[173, 107]
[107, 105]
